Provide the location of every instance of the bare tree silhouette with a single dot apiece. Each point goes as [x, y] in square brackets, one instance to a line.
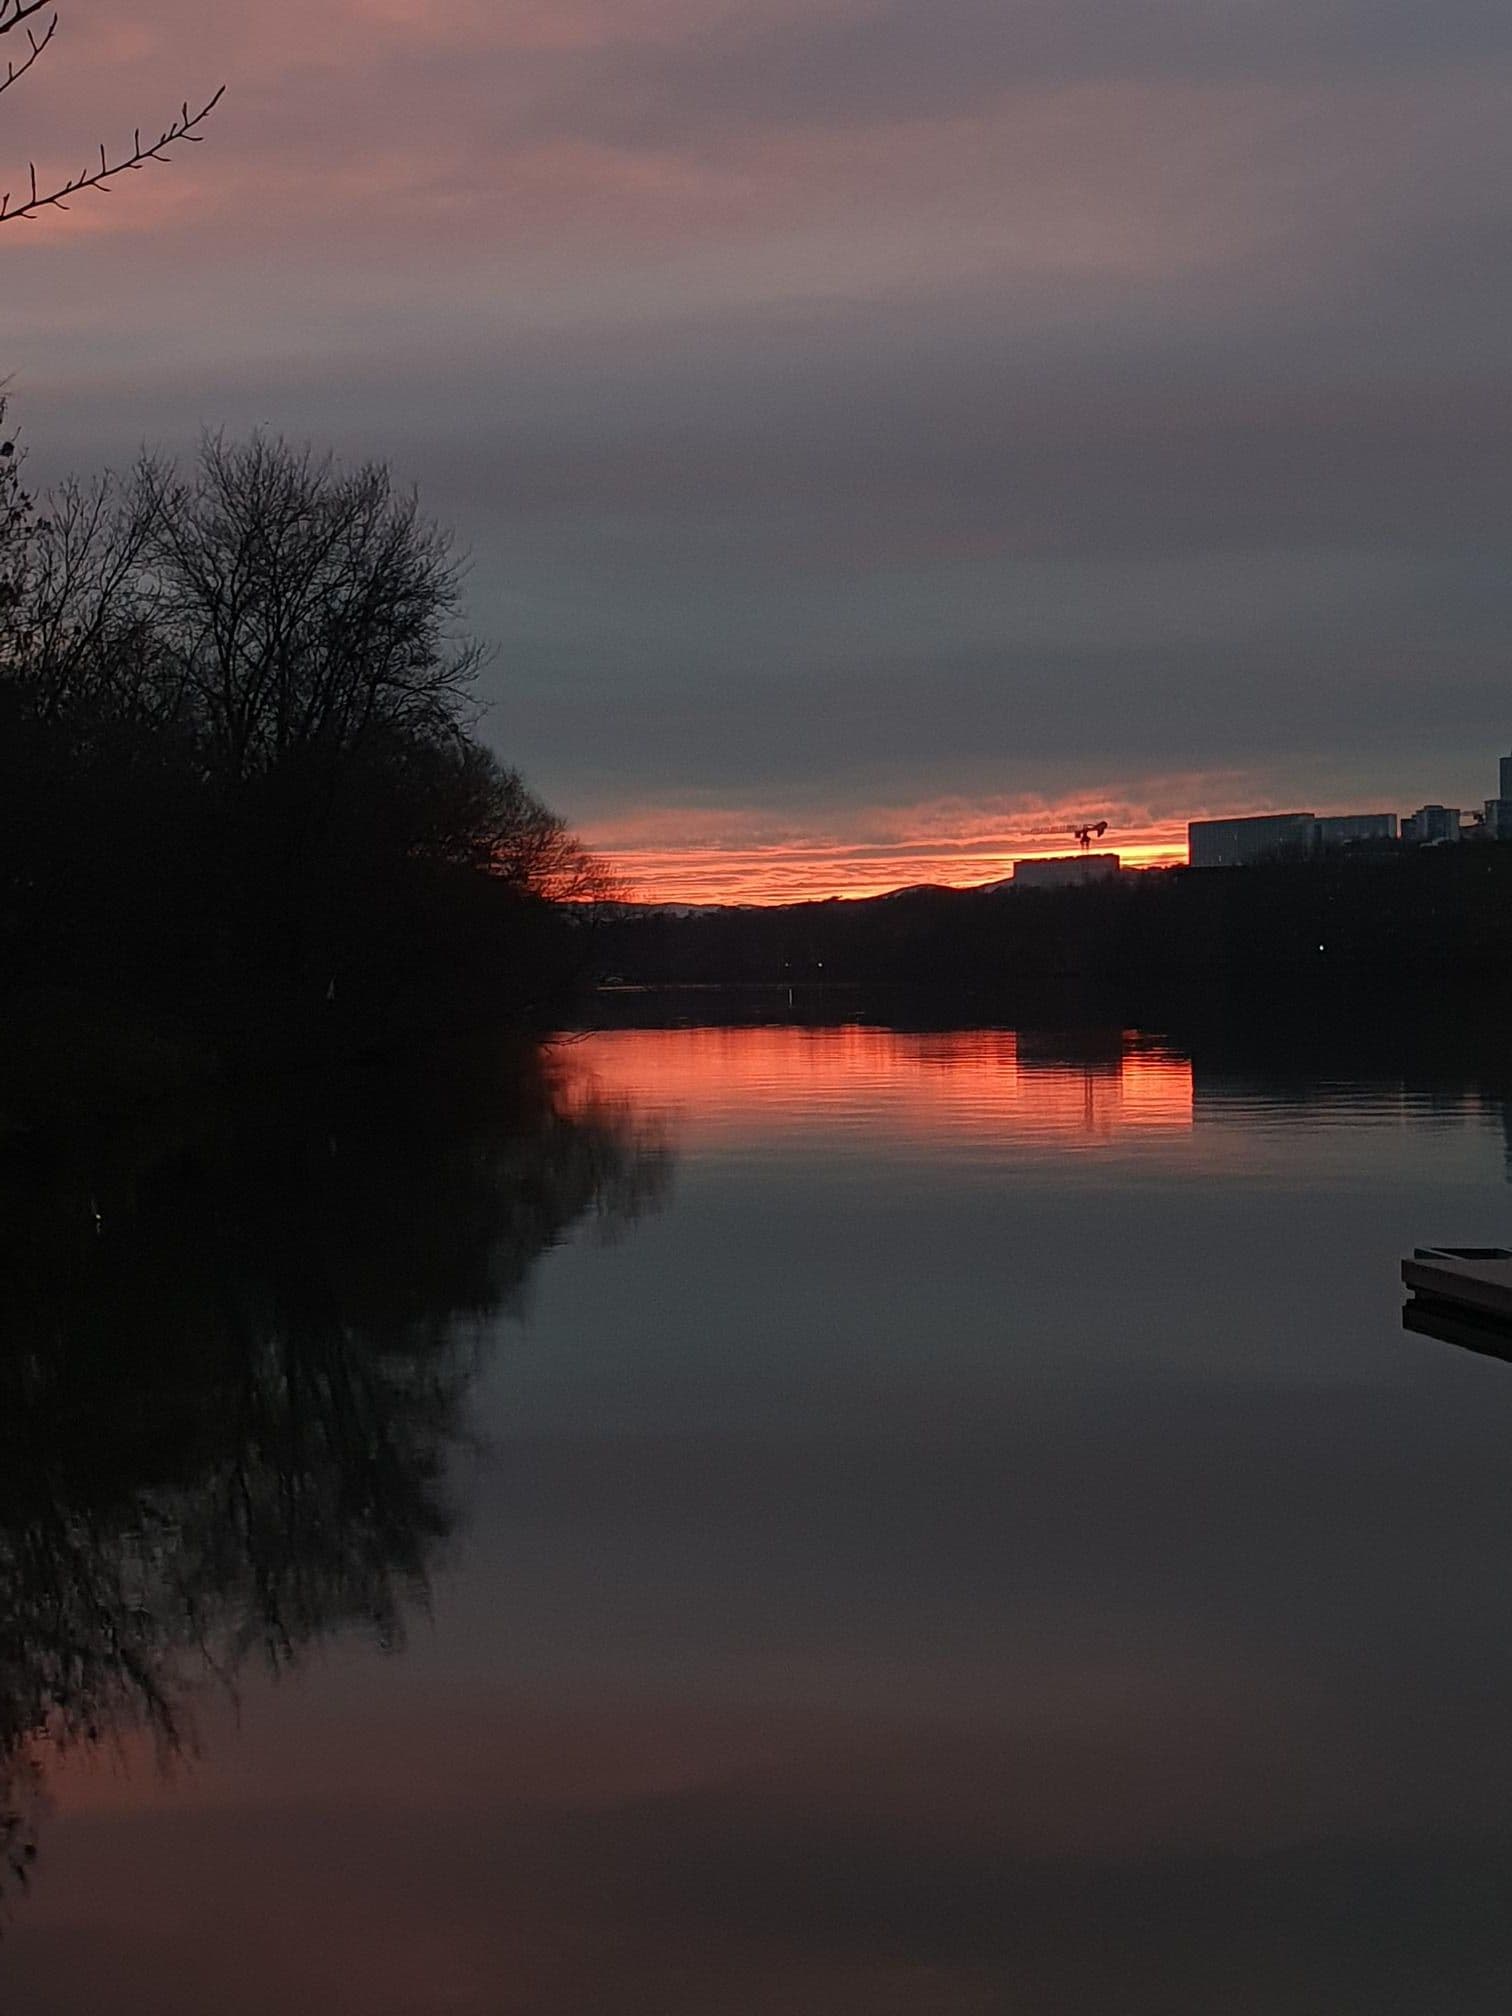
[27, 16]
[239, 778]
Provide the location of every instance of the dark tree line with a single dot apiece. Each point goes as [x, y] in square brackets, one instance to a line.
[240, 798]
[1423, 917]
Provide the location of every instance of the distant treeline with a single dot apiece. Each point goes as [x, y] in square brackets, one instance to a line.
[242, 814]
[1402, 914]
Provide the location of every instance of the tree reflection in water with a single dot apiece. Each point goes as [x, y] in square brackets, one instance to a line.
[232, 1365]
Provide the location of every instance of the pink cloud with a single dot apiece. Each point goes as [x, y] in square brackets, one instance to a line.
[372, 126]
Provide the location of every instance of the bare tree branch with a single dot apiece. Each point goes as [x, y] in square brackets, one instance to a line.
[38, 197]
[14, 12]
[14, 72]
[182, 129]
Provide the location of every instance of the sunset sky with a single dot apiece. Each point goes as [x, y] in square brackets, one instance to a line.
[885, 432]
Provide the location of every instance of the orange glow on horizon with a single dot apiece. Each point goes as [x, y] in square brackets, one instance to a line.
[666, 856]
[734, 875]
[747, 855]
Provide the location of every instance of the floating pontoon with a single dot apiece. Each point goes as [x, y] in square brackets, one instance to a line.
[1462, 1295]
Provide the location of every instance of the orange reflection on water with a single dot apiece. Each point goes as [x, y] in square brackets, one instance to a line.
[998, 1081]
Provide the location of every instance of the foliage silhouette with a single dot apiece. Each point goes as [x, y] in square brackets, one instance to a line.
[241, 807]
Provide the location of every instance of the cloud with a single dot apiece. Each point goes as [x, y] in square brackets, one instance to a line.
[855, 403]
[843, 66]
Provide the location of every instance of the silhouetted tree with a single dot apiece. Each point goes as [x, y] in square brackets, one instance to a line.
[301, 607]
[476, 813]
[238, 776]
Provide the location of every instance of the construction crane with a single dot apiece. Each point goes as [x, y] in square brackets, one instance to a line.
[1093, 831]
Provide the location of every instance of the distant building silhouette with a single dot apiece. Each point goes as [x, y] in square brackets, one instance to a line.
[1499, 808]
[1237, 843]
[1066, 871]
[1344, 830]
[1269, 836]
[1432, 825]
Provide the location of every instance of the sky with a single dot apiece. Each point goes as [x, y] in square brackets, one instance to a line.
[884, 433]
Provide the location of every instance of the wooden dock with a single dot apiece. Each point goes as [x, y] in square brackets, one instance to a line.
[1462, 1295]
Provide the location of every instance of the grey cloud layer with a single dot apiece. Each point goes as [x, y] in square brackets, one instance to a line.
[1013, 446]
[906, 60]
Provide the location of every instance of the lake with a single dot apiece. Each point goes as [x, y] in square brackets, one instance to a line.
[741, 1520]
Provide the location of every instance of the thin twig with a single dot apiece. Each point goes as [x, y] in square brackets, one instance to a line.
[182, 128]
[14, 12]
[15, 71]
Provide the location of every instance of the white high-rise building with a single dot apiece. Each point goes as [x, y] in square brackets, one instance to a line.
[1432, 825]
[1498, 823]
[1066, 871]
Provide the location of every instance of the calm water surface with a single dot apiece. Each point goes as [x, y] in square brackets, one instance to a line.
[768, 1520]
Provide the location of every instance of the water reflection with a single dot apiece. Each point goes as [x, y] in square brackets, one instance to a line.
[994, 1083]
[1093, 1076]
[234, 1361]
[1460, 1328]
[978, 1552]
